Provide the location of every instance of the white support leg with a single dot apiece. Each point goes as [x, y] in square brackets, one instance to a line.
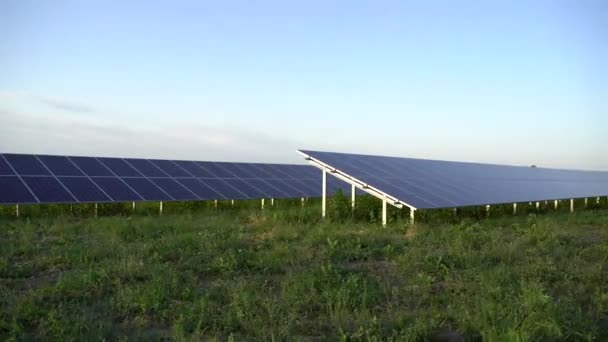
[262, 204]
[555, 204]
[302, 201]
[160, 208]
[17, 210]
[571, 205]
[586, 202]
[95, 210]
[352, 196]
[232, 203]
[133, 206]
[537, 205]
[597, 200]
[384, 212]
[488, 210]
[324, 194]
[215, 204]
[272, 202]
[412, 215]
[514, 208]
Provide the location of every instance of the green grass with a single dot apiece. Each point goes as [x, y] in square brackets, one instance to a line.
[284, 274]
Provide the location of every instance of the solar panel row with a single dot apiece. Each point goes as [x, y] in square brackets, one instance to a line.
[62, 179]
[427, 184]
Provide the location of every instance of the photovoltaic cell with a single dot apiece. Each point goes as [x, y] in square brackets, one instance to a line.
[120, 167]
[60, 166]
[116, 189]
[246, 188]
[25, 164]
[223, 188]
[91, 166]
[171, 168]
[48, 189]
[203, 191]
[84, 189]
[216, 170]
[146, 168]
[174, 189]
[12, 190]
[194, 169]
[5, 169]
[148, 190]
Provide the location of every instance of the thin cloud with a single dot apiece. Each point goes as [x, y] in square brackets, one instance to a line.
[65, 105]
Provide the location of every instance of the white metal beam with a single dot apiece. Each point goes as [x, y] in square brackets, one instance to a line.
[384, 212]
[357, 183]
[324, 194]
[353, 191]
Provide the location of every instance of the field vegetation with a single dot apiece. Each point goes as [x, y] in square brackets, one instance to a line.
[240, 273]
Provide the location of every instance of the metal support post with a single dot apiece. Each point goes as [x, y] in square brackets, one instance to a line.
[412, 215]
[571, 205]
[302, 201]
[272, 202]
[488, 210]
[555, 204]
[352, 196]
[384, 212]
[586, 202]
[514, 208]
[95, 210]
[232, 203]
[537, 205]
[262, 204]
[133, 206]
[17, 210]
[324, 194]
[160, 208]
[215, 204]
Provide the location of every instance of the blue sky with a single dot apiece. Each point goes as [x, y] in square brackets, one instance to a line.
[517, 82]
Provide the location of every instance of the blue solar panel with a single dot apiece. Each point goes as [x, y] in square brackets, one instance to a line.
[116, 189]
[92, 179]
[269, 188]
[175, 189]
[171, 168]
[120, 167]
[223, 188]
[12, 190]
[203, 191]
[146, 168]
[91, 166]
[247, 189]
[239, 171]
[216, 169]
[25, 164]
[84, 189]
[194, 169]
[5, 169]
[146, 189]
[60, 166]
[442, 184]
[48, 189]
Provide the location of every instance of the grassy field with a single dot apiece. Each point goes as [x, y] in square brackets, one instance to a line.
[283, 274]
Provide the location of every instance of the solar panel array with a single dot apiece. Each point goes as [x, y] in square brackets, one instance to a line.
[426, 184]
[26, 178]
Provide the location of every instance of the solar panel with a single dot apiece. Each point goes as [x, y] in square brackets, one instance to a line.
[60, 166]
[116, 189]
[13, 191]
[424, 184]
[25, 164]
[48, 189]
[56, 179]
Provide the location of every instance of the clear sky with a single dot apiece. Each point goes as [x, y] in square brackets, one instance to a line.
[517, 82]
